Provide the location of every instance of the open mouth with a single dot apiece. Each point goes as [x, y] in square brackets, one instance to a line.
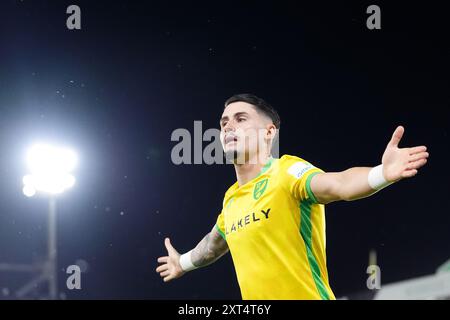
[230, 138]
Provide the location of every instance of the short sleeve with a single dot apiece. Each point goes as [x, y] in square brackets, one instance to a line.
[297, 174]
[220, 225]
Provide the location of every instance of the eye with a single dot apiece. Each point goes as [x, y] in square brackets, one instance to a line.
[224, 123]
[241, 119]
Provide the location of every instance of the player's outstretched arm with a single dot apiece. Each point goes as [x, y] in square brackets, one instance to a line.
[360, 182]
[207, 251]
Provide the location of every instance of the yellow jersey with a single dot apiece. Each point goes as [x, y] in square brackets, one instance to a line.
[275, 230]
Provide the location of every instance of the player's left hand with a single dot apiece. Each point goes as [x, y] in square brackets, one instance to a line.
[399, 163]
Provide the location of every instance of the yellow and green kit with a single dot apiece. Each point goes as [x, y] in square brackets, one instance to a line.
[275, 230]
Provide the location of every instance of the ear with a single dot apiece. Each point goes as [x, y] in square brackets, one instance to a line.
[271, 131]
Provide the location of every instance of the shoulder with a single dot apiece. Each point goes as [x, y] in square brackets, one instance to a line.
[294, 165]
[287, 158]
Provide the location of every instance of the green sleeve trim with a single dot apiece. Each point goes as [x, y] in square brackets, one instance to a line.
[306, 230]
[220, 232]
[308, 187]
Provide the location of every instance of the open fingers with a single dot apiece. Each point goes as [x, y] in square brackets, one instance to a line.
[169, 247]
[397, 136]
[416, 164]
[163, 259]
[162, 267]
[418, 156]
[419, 149]
[164, 273]
[409, 173]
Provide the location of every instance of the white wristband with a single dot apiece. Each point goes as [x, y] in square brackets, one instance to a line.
[376, 178]
[186, 262]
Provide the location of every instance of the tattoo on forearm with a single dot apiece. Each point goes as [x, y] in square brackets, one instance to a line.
[208, 250]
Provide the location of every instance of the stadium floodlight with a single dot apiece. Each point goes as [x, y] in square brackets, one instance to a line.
[50, 170]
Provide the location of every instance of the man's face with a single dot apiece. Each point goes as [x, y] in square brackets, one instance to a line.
[242, 131]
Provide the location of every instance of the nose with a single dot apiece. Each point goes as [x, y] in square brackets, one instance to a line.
[228, 127]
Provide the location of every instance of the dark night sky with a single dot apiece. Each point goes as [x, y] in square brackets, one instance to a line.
[138, 70]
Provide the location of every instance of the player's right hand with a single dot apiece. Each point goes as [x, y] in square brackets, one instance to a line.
[170, 267]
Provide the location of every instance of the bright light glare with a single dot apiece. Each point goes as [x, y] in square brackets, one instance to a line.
[50, 169]
[29, 191]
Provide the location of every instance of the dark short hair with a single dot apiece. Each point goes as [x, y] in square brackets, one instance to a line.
[259, 104]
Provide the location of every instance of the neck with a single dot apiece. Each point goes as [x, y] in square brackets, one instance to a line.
[249, 170]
